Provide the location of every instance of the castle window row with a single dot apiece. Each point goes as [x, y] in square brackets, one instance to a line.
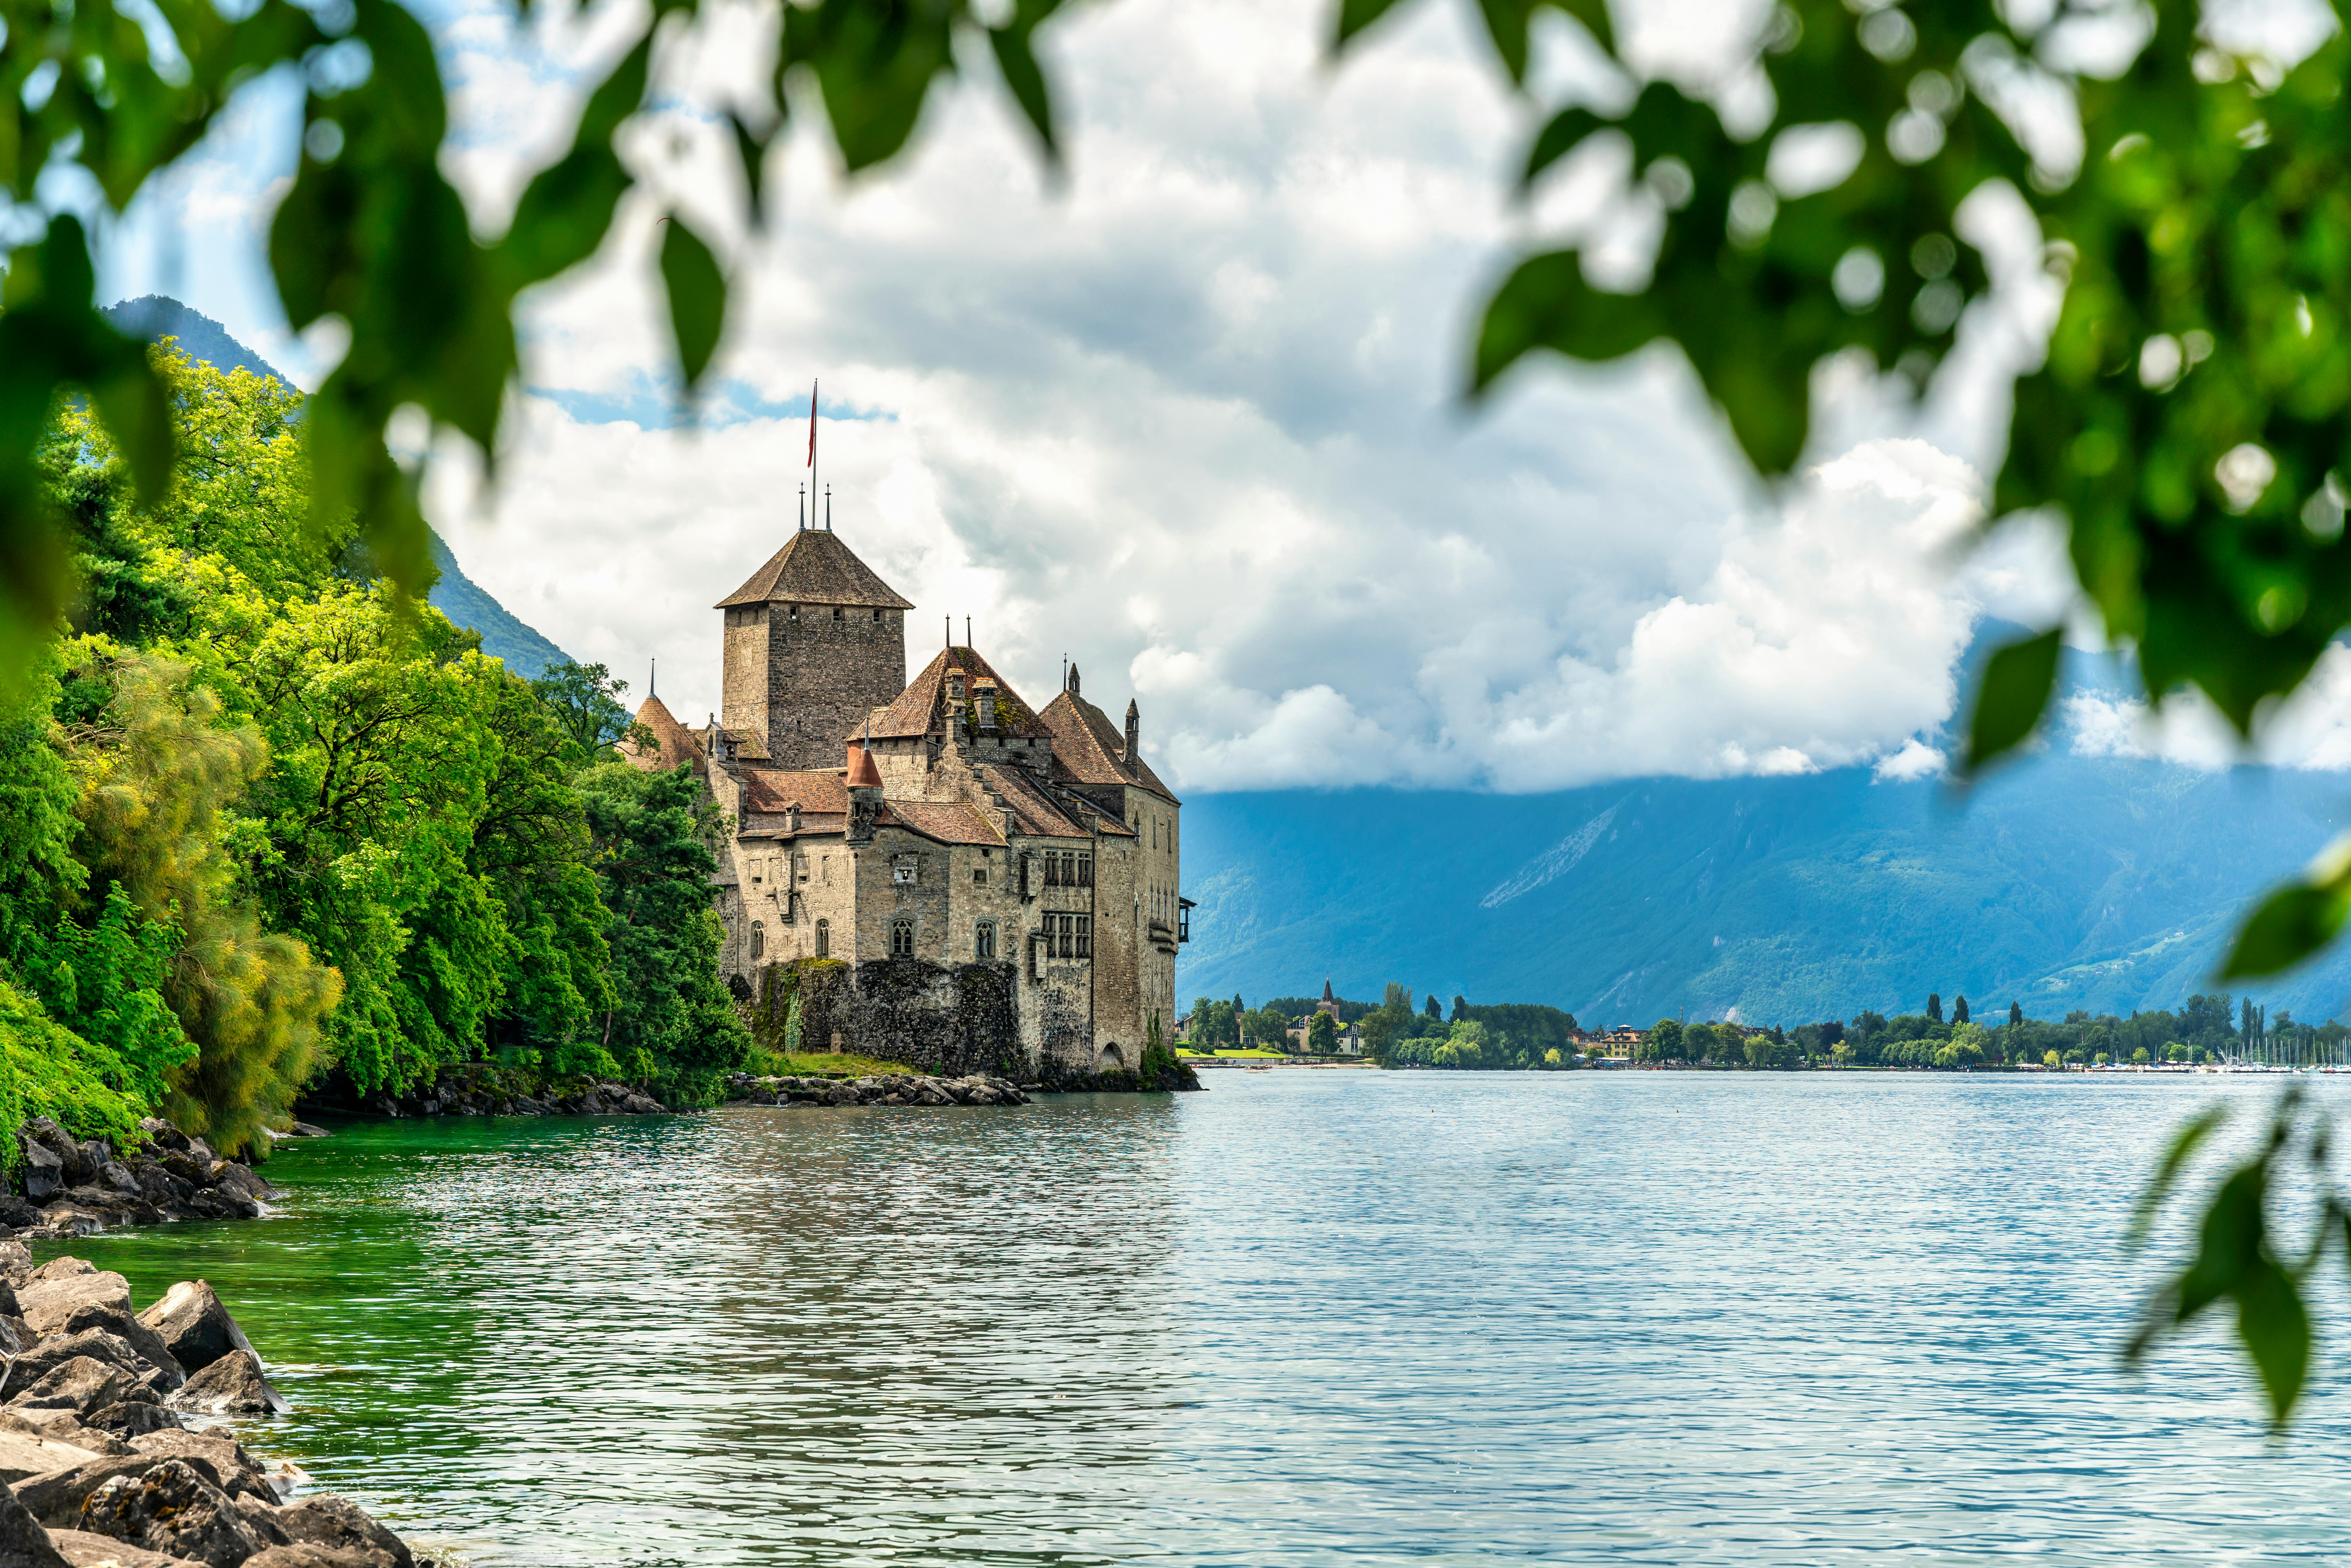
[1068, 868]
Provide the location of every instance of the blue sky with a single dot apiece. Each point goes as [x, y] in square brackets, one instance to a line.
[1192, 415]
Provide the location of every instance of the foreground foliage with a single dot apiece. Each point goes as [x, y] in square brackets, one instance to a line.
[262, 821]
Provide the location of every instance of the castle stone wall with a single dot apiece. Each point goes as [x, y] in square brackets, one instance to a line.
[823, 677]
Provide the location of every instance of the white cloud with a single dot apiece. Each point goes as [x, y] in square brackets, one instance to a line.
[1192, 419]
[1916, 761]
[2311, 730]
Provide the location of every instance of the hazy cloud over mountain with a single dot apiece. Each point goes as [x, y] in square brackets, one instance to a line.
[1192, 418]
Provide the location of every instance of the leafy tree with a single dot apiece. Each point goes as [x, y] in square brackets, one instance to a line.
[1322, 1035]
[1960, 1010]
[585, 700]
[1434, 1012]
[668, 1018]
[1663, 1042]
[163, 769]
[2016, 1014]
[1933, 1008]
[1460, 1010]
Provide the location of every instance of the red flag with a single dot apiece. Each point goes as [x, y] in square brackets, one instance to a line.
[811, 462]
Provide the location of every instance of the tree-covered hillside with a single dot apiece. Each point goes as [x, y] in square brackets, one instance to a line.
[504, 636]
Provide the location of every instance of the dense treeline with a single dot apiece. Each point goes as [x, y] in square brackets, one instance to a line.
[263, 821]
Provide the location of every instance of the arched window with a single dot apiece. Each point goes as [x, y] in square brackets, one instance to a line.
[983, 940]
[759, 940]
[824, 938]
[902, 938]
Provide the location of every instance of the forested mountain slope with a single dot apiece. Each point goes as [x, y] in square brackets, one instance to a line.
[504, 635]
[2071, 882]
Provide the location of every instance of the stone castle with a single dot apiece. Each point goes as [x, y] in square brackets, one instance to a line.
[930, 870]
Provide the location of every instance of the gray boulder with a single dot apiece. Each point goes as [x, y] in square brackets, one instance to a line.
[164, 1135]
[23, 1454]
[236, 1472]
[16, 1264]
[84, 1550]
[132, 1419]
[192, 1326]
[340, 1523]
[117, 1175]
[232, 1385]
[305, 1554]
[63, 1426]
[170, 1508]
[122, 1334]
[45, 1169]
[48, 1299]
[56, 1499]
[47, 1355]
[23, 1543]
[80, 1386]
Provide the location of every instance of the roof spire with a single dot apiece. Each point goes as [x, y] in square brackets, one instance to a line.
[803, 527]
[967, 632]
[650, 689]
[828, 508]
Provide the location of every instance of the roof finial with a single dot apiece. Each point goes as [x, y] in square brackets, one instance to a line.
[803, 505]
[949, 632]
[828, 508]
[967, 632]
[651, 690]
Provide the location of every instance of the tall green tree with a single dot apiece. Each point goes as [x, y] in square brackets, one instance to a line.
[669, 1020]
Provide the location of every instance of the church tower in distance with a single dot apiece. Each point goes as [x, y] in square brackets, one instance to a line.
[814, 642]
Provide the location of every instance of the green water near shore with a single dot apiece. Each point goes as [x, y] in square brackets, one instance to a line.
[1304, 1319]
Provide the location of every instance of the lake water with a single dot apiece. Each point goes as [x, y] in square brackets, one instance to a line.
[1302, 1319]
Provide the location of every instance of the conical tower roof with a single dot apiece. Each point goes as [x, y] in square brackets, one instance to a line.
[815, 567]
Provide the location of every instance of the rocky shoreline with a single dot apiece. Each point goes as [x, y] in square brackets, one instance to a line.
[878, 1089]
[109, 1446]
[477, 1091]
[76, 1187]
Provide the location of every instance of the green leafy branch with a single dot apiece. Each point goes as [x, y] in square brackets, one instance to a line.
[2240, 1259]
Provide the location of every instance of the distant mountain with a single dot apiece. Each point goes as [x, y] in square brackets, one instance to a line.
[504, 635]
[2068, 881]
[154, 316]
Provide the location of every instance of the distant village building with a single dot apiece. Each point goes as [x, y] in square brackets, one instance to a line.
[988, 877]
[1349, 1037]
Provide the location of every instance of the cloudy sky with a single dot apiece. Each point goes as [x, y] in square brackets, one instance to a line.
[1191, 415]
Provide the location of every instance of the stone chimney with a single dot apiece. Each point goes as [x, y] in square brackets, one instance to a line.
[1133, 733]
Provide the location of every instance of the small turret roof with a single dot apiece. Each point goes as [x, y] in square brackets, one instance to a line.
[672, 742]
[1089, 749]
[815, 567]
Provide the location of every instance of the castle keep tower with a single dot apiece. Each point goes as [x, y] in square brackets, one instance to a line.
[814, 642]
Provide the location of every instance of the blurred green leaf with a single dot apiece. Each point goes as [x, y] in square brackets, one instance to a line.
[1355, 16]
[1014, 43]
[2274, 1327]
[751, 153]
[2018, 680]
[2297, 920]
[697, 297]
[2184, 1144]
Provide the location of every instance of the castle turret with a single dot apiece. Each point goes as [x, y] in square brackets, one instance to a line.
[814, 642]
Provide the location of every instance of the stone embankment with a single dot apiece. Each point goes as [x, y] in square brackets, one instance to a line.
[72, 1188]
[111, 1447]
[456, 1093]
[882, 1089]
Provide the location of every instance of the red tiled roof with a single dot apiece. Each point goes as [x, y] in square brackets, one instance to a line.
[950, 823]
[1090, 750]
[772, 789]
[672, 742]
[815, 567]
[861, 773]
[921, 708]
[1034, 810]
